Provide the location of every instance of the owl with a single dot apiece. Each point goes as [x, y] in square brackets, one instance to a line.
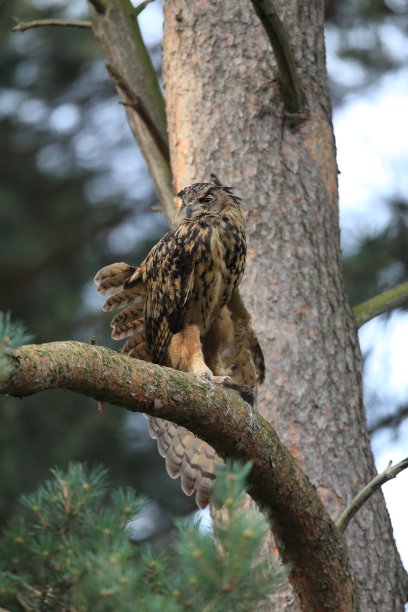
[181, 309]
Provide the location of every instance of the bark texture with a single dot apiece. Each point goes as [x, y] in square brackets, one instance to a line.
[226, 115]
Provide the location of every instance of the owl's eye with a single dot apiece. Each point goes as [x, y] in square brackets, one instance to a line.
[207, 199]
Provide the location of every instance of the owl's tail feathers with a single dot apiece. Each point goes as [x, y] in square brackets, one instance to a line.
[186, 456]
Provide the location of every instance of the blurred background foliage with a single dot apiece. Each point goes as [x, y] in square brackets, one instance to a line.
[75, 195]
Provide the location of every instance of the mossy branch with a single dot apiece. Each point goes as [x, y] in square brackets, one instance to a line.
[22, 26]
[360, 499]
[381, 303]
[294, 97]
[307, 537]
[118, 32]
[140, 7]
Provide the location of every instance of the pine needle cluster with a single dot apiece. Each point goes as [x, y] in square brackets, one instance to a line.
[12, 333]
[73, 552]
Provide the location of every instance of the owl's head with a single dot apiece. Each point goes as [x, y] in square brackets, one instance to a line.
[201, 199]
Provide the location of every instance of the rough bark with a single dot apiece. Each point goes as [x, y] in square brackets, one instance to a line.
[226, 115]
[308, 539]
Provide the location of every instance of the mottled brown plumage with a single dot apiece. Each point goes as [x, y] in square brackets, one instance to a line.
[176, 310]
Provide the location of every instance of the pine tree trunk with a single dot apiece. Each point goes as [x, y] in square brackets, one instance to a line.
[226, 115]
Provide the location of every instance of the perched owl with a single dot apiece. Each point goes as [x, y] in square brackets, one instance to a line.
[176, 312]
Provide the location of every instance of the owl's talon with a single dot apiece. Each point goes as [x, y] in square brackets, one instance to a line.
[220, 380]
[216, 380]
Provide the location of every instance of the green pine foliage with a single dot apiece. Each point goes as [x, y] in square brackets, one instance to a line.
[225, 570]
[73, 552]
[12, 333]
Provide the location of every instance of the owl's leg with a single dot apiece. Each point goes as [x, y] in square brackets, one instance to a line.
[218, 343]
[185, 353]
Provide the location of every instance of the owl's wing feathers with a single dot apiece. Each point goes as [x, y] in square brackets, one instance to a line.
[111, 280]
[169, 276]
[125, 321]
[136, 346]
[186, 456]
[119, 300]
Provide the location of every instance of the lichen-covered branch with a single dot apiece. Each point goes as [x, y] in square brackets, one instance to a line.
[294, 96]
[117, 30]
[360, 499]
[22, 26]
[384, 302]
[307, 537]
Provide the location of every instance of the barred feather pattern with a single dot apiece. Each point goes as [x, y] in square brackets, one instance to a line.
[130, 320]
[186, 456]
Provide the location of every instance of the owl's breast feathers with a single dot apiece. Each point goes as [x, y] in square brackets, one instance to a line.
[189, 275]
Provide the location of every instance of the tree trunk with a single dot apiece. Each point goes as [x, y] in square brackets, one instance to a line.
[226, 115]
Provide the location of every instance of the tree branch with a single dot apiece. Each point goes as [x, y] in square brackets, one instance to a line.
[140, 7]
[392, 421]
[22, 26]
[135, 102]
[117, 30]
[383, 302]
[360, 499]
[294, 96]
[307, 537]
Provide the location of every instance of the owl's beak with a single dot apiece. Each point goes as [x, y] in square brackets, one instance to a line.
[188, 211]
